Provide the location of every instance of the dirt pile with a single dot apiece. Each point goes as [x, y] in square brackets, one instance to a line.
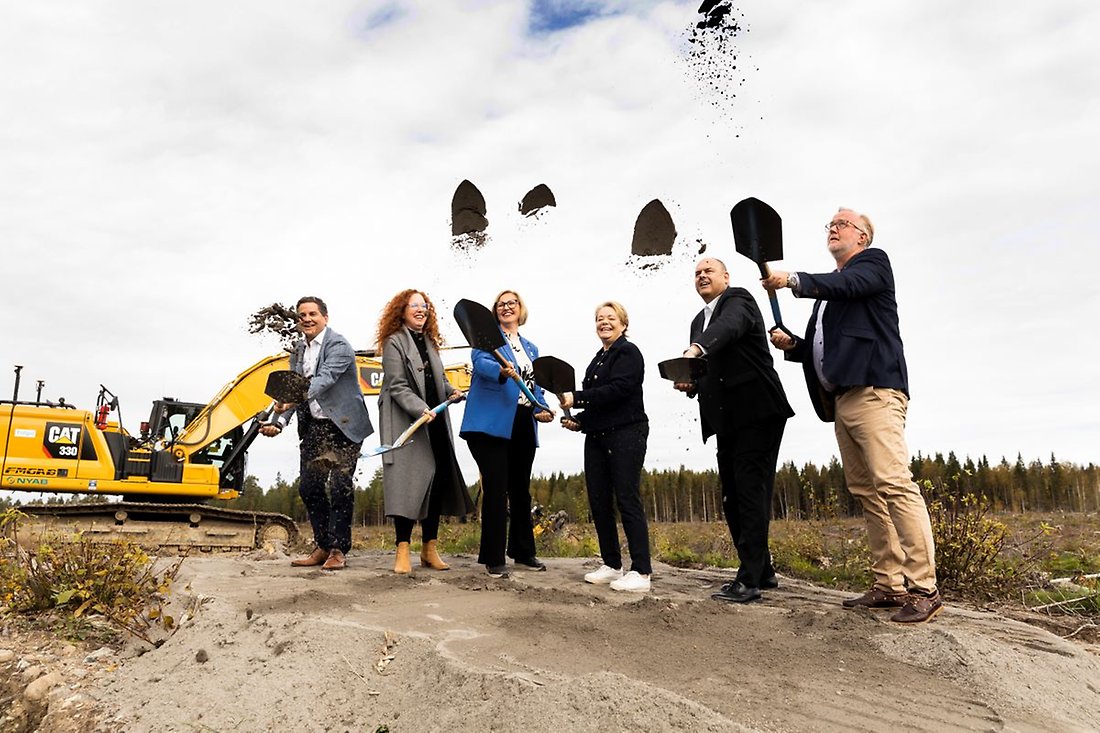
[363, 648]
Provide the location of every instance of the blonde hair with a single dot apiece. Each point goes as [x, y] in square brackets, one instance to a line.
[620, 312]
[868, 227]
[522, 305]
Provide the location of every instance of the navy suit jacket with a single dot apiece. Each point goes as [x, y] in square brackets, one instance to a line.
[611, 394]
[740, 386]
[862, 337]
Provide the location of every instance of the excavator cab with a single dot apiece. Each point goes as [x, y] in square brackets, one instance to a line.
[167, 421]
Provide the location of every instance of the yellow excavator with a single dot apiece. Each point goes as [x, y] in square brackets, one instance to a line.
[186, 453]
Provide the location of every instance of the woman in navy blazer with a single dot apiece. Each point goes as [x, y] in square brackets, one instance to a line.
[616, 432]
[499, 425]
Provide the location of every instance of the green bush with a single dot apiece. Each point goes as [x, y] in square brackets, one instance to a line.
[833, 554]
[77, 577]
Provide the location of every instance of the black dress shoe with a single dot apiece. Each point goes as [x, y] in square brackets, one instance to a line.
[737, 592]
[531, 563]
[770, 582]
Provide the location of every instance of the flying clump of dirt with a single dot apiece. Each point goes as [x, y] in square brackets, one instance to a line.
[468, 217]
[537, 199]
[712, 53]
[276, 319]
[654, 235]
[654, 231]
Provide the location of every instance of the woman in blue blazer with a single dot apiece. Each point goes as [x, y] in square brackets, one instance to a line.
[499, 425]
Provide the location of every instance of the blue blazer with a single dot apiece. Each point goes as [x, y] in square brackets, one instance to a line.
[492, 400]
[862, 335]
[335, 386]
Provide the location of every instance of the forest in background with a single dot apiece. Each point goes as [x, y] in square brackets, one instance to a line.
[808, 492]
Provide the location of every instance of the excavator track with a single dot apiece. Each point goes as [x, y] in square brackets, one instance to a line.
[165, 527]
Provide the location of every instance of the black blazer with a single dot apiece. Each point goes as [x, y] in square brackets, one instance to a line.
[862, 337]
[740, 386]
[611, 393]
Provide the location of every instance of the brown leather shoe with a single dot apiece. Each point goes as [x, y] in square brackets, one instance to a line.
[335, 560]
[317, 557]
[877, 598]
[919, 608]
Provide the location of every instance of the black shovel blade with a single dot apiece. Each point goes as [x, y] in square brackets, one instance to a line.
[555, 375]
[757, 231]
[287, 386]
[478, 325]
[682, 369]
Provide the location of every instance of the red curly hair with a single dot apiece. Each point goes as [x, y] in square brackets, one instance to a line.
[393, 318]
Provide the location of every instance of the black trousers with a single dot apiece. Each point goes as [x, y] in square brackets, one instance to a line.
[429, 525]
[746, 468]
[613, 475]
[505, 466]
[328, 460]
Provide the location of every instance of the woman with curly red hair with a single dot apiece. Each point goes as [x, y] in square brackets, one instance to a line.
[421, 481]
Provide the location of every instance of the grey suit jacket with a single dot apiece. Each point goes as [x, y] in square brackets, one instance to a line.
[335, 386]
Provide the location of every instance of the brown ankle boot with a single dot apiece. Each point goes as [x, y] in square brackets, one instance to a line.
[401, 564]
[429, 557]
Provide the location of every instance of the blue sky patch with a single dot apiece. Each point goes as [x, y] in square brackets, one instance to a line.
[548, 16]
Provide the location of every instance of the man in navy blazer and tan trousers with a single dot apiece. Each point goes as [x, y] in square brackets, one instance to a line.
[332, 424]
[855, 369]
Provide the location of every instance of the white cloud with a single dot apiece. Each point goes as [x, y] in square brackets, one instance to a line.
[173, 167]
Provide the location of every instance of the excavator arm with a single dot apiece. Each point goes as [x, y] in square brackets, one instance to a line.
[243, 399]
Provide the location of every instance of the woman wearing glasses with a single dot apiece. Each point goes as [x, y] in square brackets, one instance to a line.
[499, 425]
[616, 431]
[421, 481]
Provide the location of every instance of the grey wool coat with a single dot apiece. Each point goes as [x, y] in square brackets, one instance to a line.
[407, 473]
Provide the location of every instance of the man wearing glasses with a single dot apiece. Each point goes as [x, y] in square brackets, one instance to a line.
[855, 369]
[332, 425]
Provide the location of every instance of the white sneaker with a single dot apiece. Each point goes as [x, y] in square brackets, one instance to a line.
[633, 581]
[603, 575]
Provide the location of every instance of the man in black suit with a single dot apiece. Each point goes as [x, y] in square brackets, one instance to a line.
[855, 369]
[741, 401]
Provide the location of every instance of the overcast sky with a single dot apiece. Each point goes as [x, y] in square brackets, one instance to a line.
[168, 168]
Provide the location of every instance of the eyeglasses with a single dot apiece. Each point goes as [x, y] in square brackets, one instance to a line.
[507, 304]
[420, 306]
[841, 224]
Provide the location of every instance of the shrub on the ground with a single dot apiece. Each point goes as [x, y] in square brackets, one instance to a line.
[78, 578]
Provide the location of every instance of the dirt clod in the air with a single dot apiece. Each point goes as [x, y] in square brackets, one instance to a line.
[654, 232]
[276, 319]
[712, 53]
[468, 217]
[536, 199]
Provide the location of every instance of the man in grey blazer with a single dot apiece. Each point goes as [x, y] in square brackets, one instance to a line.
[332, 424]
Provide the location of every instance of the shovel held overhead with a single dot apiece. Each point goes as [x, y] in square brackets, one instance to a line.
[758, 235]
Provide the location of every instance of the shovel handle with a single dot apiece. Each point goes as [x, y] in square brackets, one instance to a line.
[773, 299]
[522, 386]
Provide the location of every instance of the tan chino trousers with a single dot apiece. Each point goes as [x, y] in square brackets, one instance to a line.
[870, 431]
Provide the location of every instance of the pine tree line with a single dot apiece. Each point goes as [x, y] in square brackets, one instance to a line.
[810, 492]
